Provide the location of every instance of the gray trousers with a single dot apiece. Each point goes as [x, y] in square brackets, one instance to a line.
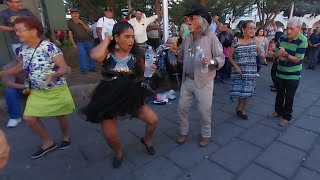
[203, 97]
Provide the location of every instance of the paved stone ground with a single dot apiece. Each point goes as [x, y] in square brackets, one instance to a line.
[257, 149]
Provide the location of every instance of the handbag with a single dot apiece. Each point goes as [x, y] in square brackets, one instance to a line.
[27, 87]
[27, 84]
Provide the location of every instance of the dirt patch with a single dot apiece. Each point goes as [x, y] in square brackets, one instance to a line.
[71, 57]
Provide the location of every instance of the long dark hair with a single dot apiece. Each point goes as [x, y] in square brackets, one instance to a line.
[136, 51]
[244, 25]
[257, 32]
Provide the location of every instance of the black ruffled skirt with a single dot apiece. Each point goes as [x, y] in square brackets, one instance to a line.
[119, 97]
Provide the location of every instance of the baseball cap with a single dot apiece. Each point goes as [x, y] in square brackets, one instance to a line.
[108, 9]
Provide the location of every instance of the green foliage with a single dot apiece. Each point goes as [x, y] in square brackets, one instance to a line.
[215, 7]
[226, 7]
[303, 7]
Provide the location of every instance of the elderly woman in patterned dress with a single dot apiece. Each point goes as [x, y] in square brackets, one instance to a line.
[244, 72]
[45, 67]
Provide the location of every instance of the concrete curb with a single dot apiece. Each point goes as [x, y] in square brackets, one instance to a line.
[79, 93]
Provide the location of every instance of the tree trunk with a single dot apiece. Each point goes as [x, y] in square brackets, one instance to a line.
[157, 4]
[203, 2]
[111, 4]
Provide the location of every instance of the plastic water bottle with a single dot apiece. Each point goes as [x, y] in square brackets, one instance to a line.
[200, 56]
[149, 60]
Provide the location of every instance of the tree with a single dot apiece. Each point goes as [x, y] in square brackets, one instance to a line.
[269, 9]
[222, 8]
[303, 7]
[203, 2]
[231, 9]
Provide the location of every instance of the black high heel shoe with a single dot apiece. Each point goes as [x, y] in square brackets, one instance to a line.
[117, 161]
[244, 116]
[239, 113]
[150, 149]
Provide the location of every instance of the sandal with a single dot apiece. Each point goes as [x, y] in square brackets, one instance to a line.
[150, 149]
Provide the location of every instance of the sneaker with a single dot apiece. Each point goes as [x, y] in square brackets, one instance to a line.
[273, 89]
[258, 75]
[41, 152]
[180, 139]
[273, 115]
[64, 144]
[284, 122]
[13, 122]
[204, 142]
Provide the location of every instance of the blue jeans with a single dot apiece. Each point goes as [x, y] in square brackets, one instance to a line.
[13, 97]
[84, 48]
[258, 61]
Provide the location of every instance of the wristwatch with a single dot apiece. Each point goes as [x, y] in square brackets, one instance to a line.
[214, 63]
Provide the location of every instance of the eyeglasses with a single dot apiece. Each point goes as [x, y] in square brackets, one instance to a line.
[16, 1]
[21, 30]
[191, 18]
[251, 28]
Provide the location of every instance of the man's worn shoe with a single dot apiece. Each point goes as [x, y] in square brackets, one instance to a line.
[284, 122]
[273, 115]
[204, 142]
[180, 139]
[41, 152]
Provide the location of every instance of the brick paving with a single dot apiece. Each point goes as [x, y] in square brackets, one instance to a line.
[257, 149]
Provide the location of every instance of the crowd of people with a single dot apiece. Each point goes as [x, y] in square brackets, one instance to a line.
[207, 52]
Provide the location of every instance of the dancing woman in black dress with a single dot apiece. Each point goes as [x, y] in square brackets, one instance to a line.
[120, 92]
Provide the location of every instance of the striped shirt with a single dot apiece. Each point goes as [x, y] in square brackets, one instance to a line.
[287, 69]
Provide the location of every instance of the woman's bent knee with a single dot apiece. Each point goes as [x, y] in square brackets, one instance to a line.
[29, 120]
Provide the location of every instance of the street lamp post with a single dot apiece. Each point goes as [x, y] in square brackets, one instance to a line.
[291, 10]
[165, 20]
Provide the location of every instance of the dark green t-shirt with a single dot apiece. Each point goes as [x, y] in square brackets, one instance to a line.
[80, 34]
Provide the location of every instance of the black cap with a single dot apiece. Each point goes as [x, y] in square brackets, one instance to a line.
[108, 9]
[199, 10]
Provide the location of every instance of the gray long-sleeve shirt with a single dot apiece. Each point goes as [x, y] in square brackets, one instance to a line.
[212, 49]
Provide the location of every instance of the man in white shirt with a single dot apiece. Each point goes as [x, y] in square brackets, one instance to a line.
[105, 24]
[140, 26]
[94, 32]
